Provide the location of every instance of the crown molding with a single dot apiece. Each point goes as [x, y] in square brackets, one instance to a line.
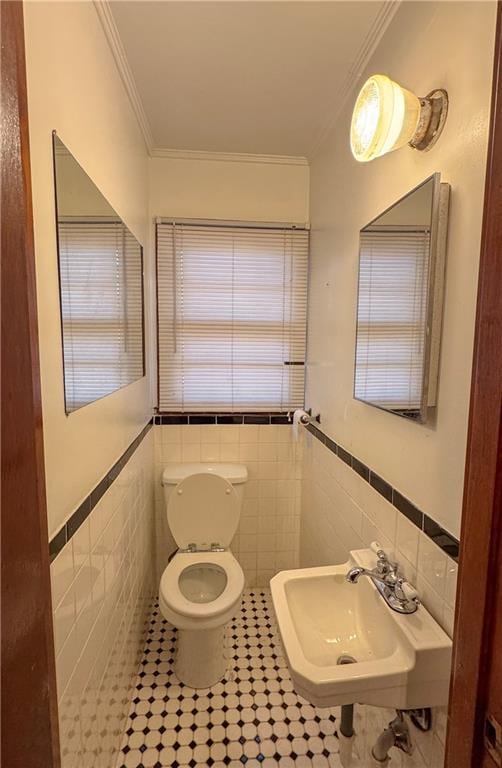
[113, 37]
[370, 42]
[372, 39]
[227, 157]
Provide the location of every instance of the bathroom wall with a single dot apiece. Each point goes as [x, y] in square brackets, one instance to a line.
[229, 189]
[101, 578]
[74, 87]
[342, 511]
[101, 568]
[267, 540]
[427, 45]
[102, 587]
[255, 189]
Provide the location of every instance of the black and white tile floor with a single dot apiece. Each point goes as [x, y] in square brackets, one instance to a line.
[252, 719]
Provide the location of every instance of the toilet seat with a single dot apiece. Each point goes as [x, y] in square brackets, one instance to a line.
[178, 609]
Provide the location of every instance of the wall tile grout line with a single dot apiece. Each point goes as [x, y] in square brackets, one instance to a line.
[444, 540]
[64, 535]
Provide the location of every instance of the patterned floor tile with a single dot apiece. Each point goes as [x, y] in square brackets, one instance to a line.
[253, 718]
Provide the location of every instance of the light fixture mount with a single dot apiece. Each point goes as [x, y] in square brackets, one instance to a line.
[387, 116]
[433, 112]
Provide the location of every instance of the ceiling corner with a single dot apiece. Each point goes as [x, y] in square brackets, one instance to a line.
[227, 157]
[103, 9]
[361, 60]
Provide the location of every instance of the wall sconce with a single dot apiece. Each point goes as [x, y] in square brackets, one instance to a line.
[387, 116]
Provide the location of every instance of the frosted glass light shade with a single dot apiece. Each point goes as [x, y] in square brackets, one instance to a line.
[385, 117]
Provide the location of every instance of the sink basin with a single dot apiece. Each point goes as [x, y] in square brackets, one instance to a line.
[344, 644]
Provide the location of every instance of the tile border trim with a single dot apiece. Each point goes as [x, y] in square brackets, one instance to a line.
[273, 417]
[444, 540]
[76, 519]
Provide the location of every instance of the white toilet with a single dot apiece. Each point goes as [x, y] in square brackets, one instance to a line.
[201, 588]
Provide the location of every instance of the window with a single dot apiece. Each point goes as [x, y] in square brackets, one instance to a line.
[100, 268]
[391, 322]
[232, 304]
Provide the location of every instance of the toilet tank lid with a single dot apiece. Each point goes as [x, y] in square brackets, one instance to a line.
[175, 473]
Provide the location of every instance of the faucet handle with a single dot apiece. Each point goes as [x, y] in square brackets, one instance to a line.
[409, 591]
[406, 592]
[379, 551]
[384, 564]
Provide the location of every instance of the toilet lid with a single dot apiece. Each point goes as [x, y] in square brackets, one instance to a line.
[203, 509]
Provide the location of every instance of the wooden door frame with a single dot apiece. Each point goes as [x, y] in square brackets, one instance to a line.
[29, 700]
[481, 516]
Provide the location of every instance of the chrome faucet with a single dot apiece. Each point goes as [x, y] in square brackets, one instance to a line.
[397, 593]
[385, 570]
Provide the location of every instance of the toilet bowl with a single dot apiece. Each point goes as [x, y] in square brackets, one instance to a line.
[201, 588]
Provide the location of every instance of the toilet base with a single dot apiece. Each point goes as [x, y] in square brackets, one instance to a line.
[201, 656]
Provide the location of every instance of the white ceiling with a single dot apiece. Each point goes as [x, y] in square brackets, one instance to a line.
[244, 77]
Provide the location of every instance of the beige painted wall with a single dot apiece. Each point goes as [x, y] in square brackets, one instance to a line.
[242, 191]
[427, 45]
[74, 87]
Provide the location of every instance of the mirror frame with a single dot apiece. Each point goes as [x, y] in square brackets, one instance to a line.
[68, 411]
[435, 298]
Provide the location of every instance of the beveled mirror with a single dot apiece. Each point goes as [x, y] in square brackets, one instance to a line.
[399, 307]
[101, 288]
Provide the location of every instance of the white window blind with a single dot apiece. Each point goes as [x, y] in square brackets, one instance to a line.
[391, 320]
[232, 305]
[100, 268]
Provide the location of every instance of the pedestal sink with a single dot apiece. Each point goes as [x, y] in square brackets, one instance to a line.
[398, 661]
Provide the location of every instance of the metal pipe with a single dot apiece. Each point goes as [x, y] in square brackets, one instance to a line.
[347, 715]
[385, 741]
[347, 720]
[395, 735]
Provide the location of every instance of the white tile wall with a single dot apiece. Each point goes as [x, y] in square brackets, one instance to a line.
[102, 587]
[103, 581]
[267, 540]
[340, 511]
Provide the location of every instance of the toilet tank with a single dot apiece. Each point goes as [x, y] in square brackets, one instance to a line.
[236, 474]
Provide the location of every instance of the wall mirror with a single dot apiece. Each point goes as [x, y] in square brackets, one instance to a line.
[399, 307]
[101, 288]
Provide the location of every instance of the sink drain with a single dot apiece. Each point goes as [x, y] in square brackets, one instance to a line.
[346, 658]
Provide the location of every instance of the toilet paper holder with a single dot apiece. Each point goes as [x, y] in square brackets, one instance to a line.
[305, 418]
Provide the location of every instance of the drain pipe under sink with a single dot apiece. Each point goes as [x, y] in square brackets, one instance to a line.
[346, 734]
[395, 735]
